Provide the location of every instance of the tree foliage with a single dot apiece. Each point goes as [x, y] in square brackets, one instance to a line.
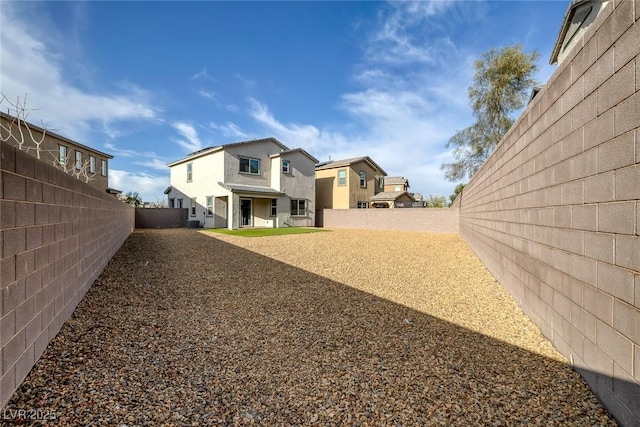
[500, 86]
[132, 199]
[436, 201]
[456, 192]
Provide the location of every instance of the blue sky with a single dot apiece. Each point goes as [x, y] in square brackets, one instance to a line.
[149, 82]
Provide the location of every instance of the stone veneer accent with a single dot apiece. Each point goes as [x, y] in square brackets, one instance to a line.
[58, 234]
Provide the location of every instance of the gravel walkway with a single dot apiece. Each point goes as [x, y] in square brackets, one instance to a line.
[347, 327]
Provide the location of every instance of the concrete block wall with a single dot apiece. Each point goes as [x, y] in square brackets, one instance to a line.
[439, 220]
[57, 235]
[555, 213]
[161, 217]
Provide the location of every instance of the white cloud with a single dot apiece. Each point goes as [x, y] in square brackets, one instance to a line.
[191, 141]
[247, 82]
[125, 152]
[206, 94]
[156, 164]
[308, 137]
[150, 187]
[30, 66]
[229, 129]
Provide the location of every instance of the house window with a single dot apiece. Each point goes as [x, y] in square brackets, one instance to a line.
[363, 205]
[274, 207]
[92, 164]
[180, 203]
[209, 205]
[172, 202]
[78, 160]
[342, 177]
[193, 207]
[248, 165]
[103, 167]
[363, 179]
[381, 182]
[397, 188]
[286, 166]
[62, 155]
[189, 172]
[298, 207]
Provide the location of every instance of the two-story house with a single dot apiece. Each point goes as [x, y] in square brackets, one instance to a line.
[85, 163]
[349, 183]
[396, 194]
[257, 183]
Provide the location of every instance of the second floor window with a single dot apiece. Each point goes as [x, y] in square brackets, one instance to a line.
[342, 177]
[248, 165]
[78, 160]
[380, 182]
[286, 166]
[189, 172]
[103, 168]
[92, 164]
[62, 155]
[363, 179]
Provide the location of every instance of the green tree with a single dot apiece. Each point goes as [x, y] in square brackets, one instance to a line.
[132, 199]
[501, 82]
[456, 192]
[436, 201]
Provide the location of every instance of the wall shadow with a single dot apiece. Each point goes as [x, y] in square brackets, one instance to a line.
[184, 328]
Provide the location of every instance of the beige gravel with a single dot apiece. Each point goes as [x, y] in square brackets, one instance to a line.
[339, 328]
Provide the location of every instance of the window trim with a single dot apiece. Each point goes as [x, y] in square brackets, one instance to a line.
[62, 158]
[190, 172]
[209, 207]
[363, 179]
[249, 159]
[297, 208]
[286, 164]
[344, 171]
[78, 162]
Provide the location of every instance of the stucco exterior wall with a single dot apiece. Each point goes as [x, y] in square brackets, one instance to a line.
[58, 234]
[299, 184]
[554, 213]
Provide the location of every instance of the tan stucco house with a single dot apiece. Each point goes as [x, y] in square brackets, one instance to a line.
[349, 183]
[85, 163]
[396, 194]
[256, 183]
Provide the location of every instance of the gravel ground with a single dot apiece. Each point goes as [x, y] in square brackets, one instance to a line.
[347, 327]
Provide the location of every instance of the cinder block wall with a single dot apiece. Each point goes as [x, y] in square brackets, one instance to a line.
[161, 217]
[57, 235]
[554, 213]
[439, 220]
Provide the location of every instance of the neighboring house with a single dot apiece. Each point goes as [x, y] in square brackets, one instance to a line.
[348, 183]
[87, 164]
[396, 183]
[257, 183]
[392, 199]
[578, 18]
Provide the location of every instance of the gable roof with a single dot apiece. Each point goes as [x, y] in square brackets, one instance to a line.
[394, 180]
[566, 24]
[390, 196]
[295, 150]
[331, 164]
[213, 149]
